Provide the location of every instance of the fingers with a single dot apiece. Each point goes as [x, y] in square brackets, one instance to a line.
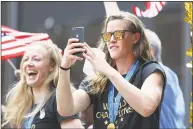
[73, 57]
[72, 40]
[75, 50]
[73, 45]
[86, 45]
[69, 53]
[87, 57]
[89, 51]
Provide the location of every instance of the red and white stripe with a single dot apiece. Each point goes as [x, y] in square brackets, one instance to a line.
[152, 9]
[15, 42]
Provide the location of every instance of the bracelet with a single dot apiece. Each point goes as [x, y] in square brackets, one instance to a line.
[64, 68]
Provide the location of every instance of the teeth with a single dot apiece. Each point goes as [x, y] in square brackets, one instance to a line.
[30, 71]
[30, 77]
[113, 47]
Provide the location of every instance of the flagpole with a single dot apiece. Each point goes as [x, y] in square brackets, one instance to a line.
[16, 71]
[12, 65]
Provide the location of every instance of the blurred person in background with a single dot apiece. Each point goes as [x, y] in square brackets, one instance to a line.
[31, 103]
[123, 95]
[173, 105]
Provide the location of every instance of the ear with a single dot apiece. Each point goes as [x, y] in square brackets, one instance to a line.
[52, 64]
[152, 51]
[136, 38]
[51, 68]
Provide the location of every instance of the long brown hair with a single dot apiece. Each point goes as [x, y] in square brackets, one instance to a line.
[141, 49]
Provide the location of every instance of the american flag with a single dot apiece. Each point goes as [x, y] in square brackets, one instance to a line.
[13, 42]
[152, 9]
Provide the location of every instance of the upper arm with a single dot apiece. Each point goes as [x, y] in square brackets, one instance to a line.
[81, 100]
[72, 123]
[153, 87]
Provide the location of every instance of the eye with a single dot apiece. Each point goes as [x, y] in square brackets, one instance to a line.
[25, 59]
[106, 36]
[37, 59]
[118, 35]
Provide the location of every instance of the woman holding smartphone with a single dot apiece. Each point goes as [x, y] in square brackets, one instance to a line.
[122, 94]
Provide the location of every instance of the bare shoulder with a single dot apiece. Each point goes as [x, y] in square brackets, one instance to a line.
[153, 86]
[154, 79]
[155, 76]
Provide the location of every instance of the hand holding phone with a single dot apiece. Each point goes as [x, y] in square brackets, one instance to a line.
[78, 32]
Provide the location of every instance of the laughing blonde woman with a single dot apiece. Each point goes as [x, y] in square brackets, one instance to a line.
[31, 103]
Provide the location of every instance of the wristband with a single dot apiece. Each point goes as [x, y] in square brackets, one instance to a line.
[64, 68]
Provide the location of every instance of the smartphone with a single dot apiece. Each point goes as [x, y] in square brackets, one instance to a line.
[78, 32]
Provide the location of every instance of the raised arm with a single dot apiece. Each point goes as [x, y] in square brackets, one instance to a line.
[68, 103]
[144, 100]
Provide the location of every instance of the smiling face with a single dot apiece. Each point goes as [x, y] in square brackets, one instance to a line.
[36, 65]
[120, 48]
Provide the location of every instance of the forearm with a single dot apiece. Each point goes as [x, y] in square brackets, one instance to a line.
[136, 98]
[64, 94]
[71, 124]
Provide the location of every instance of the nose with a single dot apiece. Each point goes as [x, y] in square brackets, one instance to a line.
[30, 63]
[112, 38]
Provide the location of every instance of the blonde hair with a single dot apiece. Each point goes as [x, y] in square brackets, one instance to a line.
[141, 49]
[19, 99]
